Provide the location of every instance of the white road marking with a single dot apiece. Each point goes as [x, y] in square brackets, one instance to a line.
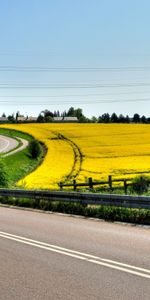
[80, 255]
[7, 144]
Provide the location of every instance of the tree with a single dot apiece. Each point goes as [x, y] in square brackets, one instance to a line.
[136, 118]
[48, 119]
[11, 118]
[127, 119]
[83, 119]
[121, 119]
[17, 115]
[47, 113]
[71, 112]
[114, 118]
[148, 120]
[105, 118]
[55, 113]
[34, 149]
[40, 119]
[78, 113]
[64, 114]
[94, 119]
[143, 119]
[58, 113]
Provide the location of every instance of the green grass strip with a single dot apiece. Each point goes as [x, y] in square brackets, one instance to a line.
[19, 164]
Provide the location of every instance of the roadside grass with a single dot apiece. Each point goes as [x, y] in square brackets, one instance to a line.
[107, 213]
[19, 164]
[15, 133]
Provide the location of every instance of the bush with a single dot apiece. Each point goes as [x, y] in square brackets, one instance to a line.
[3, 175]
[34, 149]
[140, 184]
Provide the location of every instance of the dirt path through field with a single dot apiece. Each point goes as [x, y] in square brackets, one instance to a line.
[78, 156]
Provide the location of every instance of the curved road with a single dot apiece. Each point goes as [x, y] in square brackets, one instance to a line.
[50, 256]
[7, 144]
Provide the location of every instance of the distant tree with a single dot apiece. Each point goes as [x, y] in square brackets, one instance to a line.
[71, 112]
[11, 118]
[48, 119]
[55, 114]
[105, 118]
[78, 113]
[4, 115]
[40, 119]
[143, 119]
[58, 113]
[47, 113]
[121, 119]
[83, 119]
[127, 119]
[17, 115]
[94, 119]
[148, 120]
[64, 114]
[136, 118]
[114, 118]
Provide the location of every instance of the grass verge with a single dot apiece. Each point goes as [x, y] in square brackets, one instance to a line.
[108, 213]
[20, 164]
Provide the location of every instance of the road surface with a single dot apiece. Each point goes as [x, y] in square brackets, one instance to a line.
[50, 256]
[7, 144]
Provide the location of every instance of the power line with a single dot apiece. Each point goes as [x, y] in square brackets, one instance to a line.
[76, 102]
[72, 95]
[71, 86]
[10, 68]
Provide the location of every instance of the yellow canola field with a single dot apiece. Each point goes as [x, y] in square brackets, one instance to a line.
[88, 150]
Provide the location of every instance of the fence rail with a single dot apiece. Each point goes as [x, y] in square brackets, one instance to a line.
[83, 198]
[90, 184]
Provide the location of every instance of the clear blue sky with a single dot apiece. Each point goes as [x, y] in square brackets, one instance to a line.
[99, 51]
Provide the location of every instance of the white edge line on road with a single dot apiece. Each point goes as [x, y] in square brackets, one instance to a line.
[79, 255]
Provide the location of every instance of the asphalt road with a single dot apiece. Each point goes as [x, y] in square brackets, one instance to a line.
[7, 144]
[49, 256]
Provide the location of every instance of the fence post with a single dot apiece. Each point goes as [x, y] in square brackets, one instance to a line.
[125, 186]
[61, 186]
[74, 185]
[110, 182]
[90, 183]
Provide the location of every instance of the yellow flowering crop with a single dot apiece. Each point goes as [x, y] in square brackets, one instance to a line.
[88, 150]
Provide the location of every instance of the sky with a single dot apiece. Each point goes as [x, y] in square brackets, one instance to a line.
[89, 54]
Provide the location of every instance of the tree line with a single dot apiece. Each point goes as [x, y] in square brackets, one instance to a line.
[47, 116]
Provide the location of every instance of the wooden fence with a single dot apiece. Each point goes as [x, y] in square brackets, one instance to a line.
[90, 184]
